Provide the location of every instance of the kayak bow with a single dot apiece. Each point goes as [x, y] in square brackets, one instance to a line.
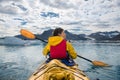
[55, 70]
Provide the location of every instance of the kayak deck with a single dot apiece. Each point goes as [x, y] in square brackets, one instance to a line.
[55, 70]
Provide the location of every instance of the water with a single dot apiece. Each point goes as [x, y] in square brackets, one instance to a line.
[19, 62]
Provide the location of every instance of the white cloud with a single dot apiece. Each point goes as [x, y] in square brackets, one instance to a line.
[60, 4]
[87, 16]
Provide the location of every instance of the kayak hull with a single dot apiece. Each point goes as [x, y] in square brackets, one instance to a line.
[55, 70]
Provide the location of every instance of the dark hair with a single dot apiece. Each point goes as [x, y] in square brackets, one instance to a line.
[57, 31]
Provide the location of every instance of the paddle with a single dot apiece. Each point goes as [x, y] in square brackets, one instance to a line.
[30, 35]
[96, 63]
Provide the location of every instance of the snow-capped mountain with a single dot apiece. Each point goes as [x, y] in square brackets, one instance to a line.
[104, 35]
[112, 35]
[99, 36]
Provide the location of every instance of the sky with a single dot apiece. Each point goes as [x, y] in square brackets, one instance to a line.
[76, 16]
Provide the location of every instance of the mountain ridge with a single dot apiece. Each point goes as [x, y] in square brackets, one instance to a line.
[112, 35]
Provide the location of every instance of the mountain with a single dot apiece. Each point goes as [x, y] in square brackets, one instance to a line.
[69, 35]
[22, 37]
[104, 35]
[12, 41]
[112, 35]
[48, 33]
[45, 34]
[116, 37]
[17, 41]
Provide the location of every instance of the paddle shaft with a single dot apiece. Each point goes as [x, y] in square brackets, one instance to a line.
[40, 39]
[84, 58]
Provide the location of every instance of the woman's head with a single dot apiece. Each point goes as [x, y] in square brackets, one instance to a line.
[59, 32]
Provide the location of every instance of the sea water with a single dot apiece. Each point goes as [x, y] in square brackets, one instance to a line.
[19, 62]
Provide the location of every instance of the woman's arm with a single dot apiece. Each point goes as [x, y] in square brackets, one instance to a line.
[46, 50]
[71, 50]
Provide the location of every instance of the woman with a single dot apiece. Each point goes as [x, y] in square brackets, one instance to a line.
[59, 48]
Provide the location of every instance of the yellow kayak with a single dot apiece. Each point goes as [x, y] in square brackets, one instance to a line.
[55, 70]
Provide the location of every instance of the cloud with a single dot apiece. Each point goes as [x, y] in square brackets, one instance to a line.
[12, 7]
[101, 25]
[70, 23]
[61, 4]
[8, 10]
[75, 15]
[1, 20]
[20, 6]
[117, 2]
[9, 0]
[117, 20]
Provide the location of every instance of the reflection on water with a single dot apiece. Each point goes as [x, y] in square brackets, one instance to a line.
[19, 62]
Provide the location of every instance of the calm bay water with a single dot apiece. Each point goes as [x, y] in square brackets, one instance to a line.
[19, 62]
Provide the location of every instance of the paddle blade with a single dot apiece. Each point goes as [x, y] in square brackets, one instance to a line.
[99, 63]
[27, 34]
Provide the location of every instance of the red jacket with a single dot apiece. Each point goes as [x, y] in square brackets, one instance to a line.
[58, 51]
